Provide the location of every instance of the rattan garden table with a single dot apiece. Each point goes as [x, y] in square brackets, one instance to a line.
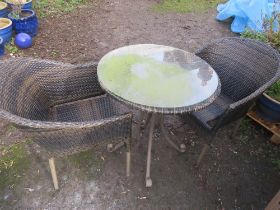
[158, 80]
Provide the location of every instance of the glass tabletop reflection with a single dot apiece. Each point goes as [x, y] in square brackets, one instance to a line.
[157, 76]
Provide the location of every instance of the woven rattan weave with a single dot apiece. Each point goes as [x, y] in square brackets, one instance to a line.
[61, 106]
[246, 68]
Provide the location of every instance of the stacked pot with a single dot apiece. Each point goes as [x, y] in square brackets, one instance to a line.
[26, 22]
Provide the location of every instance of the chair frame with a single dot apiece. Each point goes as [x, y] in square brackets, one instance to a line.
[39, 128]
[238, 109]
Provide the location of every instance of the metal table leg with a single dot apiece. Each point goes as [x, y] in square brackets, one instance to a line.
[138, 128]
[154, 118]
[148, 170]
[179, 148]
[144, 118]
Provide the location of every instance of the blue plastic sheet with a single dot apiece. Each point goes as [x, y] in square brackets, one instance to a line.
[247, 13]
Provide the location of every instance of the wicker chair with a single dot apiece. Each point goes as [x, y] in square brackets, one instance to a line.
[62, 107]
[246, 69]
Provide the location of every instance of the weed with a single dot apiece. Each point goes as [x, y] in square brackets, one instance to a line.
[272, 37]
[274, 91]
[245, 129]
[11, 47]
[11, 128]
[185, 5]
[255, 35]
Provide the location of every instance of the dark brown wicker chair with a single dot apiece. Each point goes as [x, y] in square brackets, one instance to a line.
[246, 69]
[62, 107]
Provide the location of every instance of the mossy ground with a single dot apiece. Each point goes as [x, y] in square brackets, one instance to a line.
[88, 163]
[14, 162]
[182, 6]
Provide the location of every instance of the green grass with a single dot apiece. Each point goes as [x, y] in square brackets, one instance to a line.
[11, 47]
[183, 6]
[274, 91]
[14, 161]
[245, 131]
[46, 7]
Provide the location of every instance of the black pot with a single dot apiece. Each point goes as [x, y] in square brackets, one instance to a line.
[268, 108]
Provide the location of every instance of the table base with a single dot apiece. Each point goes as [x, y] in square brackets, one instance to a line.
[155, 119]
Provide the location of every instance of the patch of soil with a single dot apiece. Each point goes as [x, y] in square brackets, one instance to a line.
[91, 31]
[233, 175]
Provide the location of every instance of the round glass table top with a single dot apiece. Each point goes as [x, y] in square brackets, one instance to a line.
[156, 76]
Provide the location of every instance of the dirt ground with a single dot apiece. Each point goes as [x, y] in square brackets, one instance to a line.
[236, 174]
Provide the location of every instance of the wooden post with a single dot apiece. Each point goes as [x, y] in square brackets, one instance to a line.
[274, 204]
[275, 139]
[53, 172]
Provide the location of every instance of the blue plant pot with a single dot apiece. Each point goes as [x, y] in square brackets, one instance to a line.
[27, 5]
[4, 11]
[28, 24]
[268, 108]
[2, 47]
[6, 30]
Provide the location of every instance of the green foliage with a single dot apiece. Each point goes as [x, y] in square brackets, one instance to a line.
[11, 47]
[14, 160]
[274, 91]
[255, 35]
[271, 37]
[46, 7]
[185, 5]
[269, 34]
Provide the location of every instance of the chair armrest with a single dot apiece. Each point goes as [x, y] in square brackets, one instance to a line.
[253, 96]
[37, 126]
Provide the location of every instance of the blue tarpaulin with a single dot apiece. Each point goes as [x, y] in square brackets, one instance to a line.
[247, 13]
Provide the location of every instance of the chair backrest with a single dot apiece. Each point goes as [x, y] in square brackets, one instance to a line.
[29, 87]
[243, 65]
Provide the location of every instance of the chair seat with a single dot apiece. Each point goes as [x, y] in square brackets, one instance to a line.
[207, 115]
[95, 108]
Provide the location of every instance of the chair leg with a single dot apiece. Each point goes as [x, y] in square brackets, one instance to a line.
[112, 148]
[149, 152]
[128, 156]
[203, 152]
[53, 172]
[127, 144]
[138, 127]
[128, 163]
